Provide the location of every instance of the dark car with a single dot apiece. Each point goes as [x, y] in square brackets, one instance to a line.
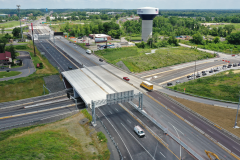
[203, 71]
[234, 65]
[8, 70]
[211, 71]
[169, 84]
[189, 76]
[126, 78]
[100, 60]
[224, 66]
[198, 75]
[215, 70]
[69, 67]
[229, 66]
[204, 74]
[238, 64]
[79, 37]
[69, 42]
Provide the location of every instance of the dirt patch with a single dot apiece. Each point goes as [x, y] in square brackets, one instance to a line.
[224, 117]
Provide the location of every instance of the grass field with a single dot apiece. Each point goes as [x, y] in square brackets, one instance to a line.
[30, 86]
[65, 139]
[224, 85]
[137, 61]
[10, 24]
[224, 117]
[5, 74]
[236, 25]
[128, 38]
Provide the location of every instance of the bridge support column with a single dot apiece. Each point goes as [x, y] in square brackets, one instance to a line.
[93, 114]
[75, 94]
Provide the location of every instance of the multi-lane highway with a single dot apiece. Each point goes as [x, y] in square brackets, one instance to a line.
[63, 54]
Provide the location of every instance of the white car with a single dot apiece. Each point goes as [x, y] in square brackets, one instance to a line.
[190, 78]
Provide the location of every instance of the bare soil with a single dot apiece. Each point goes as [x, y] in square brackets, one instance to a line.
[223, 117]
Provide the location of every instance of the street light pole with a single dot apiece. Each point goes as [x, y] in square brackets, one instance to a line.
[235, 125]
[180, 144]
[195, 66]
[19, 18]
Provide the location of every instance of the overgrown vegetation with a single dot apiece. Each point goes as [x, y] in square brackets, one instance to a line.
[224, 85]
[137, 61]
[101, 137]
[87, 115]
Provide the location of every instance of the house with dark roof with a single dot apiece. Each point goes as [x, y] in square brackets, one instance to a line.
[5, 58]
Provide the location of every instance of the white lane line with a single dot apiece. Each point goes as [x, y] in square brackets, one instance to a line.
[116, 109]
[138, 141]
[162, 155]
[116, 132]
[210, 131]
[236, 149]
[189, 117]
[189, 139]
[110, 112]
[129, 121]
[176, 128]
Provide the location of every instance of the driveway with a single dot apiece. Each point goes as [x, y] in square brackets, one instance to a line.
[27, 68]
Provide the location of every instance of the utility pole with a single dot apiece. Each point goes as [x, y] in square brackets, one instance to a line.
[235, 125]
[195, 66]
[33, 41]
[19, 18]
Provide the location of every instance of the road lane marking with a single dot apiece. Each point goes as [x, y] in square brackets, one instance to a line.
[187, 75]
[162, 155]
[116, 109]
[115, 131]
[189, 117]
[128, 121]
[171, 70]
[110, 112]
[210, 131]
[189, 139]
[138, 141]
[176, 128]
[236, 149]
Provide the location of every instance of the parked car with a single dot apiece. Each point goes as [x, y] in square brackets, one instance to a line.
[224, 66]
[204, 74]
[177, 82]
[188, 76]
[211, 71]
[238, 64]
[169, 84]
[229, 66]
[100, 60]
[215, 70]
[126, 78]
[234, 65]
[198, 75]
[79, 37]
[203, 71]
[69, 67]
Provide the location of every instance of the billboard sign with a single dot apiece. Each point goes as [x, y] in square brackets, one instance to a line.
[100, 40]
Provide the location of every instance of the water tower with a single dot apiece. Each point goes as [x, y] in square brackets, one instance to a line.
[147, 14]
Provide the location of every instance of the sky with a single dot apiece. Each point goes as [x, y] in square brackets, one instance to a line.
[121, 4]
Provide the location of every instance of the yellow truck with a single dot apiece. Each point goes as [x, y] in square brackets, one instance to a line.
[147, 85]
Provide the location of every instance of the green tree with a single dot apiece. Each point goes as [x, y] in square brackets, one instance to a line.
[16, 32]
[229, 28]
[216, 40]
[12, 50]
[234, 38]
[172, 40]
[117, 16]
[48, 18]
[197, 38]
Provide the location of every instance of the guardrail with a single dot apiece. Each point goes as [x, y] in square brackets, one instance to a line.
[115, 144]
[165, 130]
[202, 132]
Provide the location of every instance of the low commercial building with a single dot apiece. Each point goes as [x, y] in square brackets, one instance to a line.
[5, 58]
[93, 36]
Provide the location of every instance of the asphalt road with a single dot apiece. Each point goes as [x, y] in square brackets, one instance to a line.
[120, 124]
[176, 126]
[26, 69]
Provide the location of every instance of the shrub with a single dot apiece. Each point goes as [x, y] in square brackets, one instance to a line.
[101, 137]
